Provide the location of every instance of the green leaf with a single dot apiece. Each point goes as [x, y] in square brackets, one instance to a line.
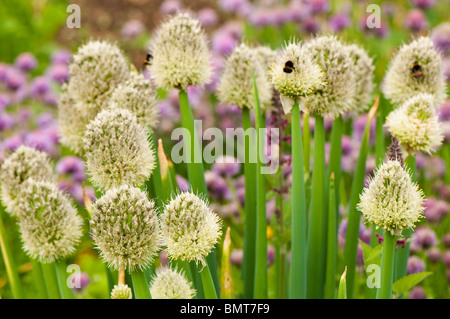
[406, 283]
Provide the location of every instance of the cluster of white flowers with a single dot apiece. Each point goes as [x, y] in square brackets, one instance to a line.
[170, 284]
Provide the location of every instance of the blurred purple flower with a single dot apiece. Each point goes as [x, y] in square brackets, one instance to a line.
[441, 37]
[236, 256]
[170, 7]
[339, 21]
[446, 258]
[45, 119]
[40, 141]
[217, 186]
[434, 254]
[226, 166]
[59, 73]
[297, 10]
[26, 62]
[223, 42]
[50, 98]
[318, 6]
[132, 28]
[423, 237]
[14, 79]
[61, 56]
[79, 283]
[434, 167]
[5, 100]
[446, 240]
[183, 184]
[40, 86]
[423, 4]
[270, 255]
[415, 265]
[13, 142]
[72, 165]
[232, 5]
[6, 121]
[208, 17]
[417, 293]
[416, 20]
[310, 25]
[444, 111]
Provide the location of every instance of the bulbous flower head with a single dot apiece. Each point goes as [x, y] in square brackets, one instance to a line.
[391, 200]
[415, 124]
[72, 123]
[170, 284]
[124, 227]
[236, 83]
[181, 56]
[49, 224]
[121, 291]
[295, 75]
[189, 228]
[363, 70]
[117, 149]
[24, 163]
[267, 55]
[336, 95]
[138, 96]
[96, 70]
[416, 68]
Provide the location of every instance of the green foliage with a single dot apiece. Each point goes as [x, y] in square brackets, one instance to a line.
[404, 284]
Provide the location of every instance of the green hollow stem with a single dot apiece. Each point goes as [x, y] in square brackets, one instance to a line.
[335, 158]
[387, 266]
[248, 262]
[330, 277]
[260, 284]
[297, 281]
[141, 287]
[154, 184]
[306, 142]
[317, 218]
[51, 280]
[402, 253]
[38, 278]
[61, 274]
[10, 265]
[194, 163]
[208, 284]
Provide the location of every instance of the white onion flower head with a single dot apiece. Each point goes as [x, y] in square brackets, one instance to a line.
[170, 284]
[295, 75]
[26, 162]
[124, 227]
[121, 291]
[181, 55]
[416, 125]
[189, 228]
[117, 150]
[363, 70]
[336, 95]
[138, 96]
[416, 68]
[267, 56]
[49, 224]
[391, 200]
[236, 83]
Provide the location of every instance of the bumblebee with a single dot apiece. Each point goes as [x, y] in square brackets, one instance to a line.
[416, 70]
[148, 60]
[288, 67]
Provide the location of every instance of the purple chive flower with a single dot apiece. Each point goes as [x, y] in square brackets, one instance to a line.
[381, 32]
[6, 121]
[40, 141]
[232, 5]
[61, 56]
[359, 124]
[424, 237]
[72, 165]
[13, 142]
[417, 293]
[45, 120]
[423, 4]
[170, 7]
[347, 145]
[223, 42]
[310, 25]
[434, 167]
[226, 166]
[446, 240]
[339, 22]
[441, 37]
[318, 6]
[217, 186]
[183, 184]
[208, 17]
[236, 256]
[40, 86]
[23, 115]
[79, 283]
[3, 71]
[163, 258]
[50, 98]
[132, 29]
[416, 20]
[270, 255]
[444, 111]
[446, 258]
[415, 265]
[5, 100]
[435, 209]
[26, 62]
[297, 10]
[15, 79]
[59, 73]
[434, 254]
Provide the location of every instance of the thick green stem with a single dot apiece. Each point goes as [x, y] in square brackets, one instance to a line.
[248, 263]
[51, 280]
[140, 285]
[335, 158]
[61, 274]
[387, 266]
[317, 219]
[297, 285]
[208, 284]
[260, 284]
[154, 184]
[194, 162]
[38, 277]
[11, 270]
[306, 142]
[330, 279]
[380, 151]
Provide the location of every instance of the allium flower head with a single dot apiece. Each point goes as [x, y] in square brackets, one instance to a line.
[415, 124]
[96, 70]
[48, 222]
[72, 123]
[416, 68]
[236, 84]
[189, 228]
[170, 284]
[121, 291]
[295, 74]
[363, 69]
[336, 95]
[117, 149]
[181, 56]
[138, 96]
[391, 200]
[124, 227]
[24, 163]
[267, 55]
